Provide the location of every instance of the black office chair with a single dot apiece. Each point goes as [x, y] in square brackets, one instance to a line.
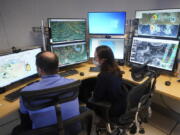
[137, 110]
[35, 100]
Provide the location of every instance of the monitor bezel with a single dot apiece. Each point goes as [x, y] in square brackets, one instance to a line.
[69, 19]
[107, 12]
[33, 75]
[68, 43]
[108, 39]
[156, 68]
[153, 10]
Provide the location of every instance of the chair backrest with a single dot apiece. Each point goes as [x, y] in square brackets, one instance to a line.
[35, 100]
[137, 92]
[86, 119]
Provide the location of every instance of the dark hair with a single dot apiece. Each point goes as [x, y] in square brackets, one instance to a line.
[109, 64]
[48, 64]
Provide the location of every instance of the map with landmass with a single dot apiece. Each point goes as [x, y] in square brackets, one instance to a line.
[159, 24]
[71, 53]
[160, 54]
[67, 31]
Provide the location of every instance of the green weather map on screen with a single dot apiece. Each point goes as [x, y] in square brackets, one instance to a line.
[63, 30]
[70, 53]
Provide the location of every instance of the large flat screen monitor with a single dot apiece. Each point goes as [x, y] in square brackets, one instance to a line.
[67, 30]
[159, 23]
[70, 53]
[17, 66]
[160, 53]
[108, 23]
[116, 44]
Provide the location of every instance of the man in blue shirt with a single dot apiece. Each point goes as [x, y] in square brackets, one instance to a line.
[47, 67]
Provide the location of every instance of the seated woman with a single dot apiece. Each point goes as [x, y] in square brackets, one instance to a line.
[109, 81]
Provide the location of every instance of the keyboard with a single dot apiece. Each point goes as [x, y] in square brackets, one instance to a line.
[16, 94]
[13, 96]
[68, 73]
[94, 69]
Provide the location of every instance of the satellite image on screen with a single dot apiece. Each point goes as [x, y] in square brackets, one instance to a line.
[67, 31]
[159, 24]
[160, 54]
[71, 53]
[14, 67]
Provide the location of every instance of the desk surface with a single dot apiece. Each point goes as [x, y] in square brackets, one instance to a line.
[172, 91]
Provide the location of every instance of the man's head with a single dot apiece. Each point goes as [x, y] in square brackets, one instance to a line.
[47, 63]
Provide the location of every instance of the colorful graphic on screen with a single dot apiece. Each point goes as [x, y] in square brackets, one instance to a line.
[159, 52]
[71, 53]
[159, 24]
[116, 44]
[17, 66]
[63, 30]
[107, 22]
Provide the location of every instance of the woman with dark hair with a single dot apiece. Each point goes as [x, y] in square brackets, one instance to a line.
[109, 81]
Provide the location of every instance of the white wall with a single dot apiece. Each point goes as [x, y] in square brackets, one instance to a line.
[17, 17]
[168, 4]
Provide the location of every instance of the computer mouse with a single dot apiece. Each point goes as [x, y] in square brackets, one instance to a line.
[81, 73]
[167, 83]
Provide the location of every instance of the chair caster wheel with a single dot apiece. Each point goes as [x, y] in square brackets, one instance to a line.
[142, 131]
[133, 129]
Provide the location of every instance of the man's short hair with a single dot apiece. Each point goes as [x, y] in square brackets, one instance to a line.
[48, 64]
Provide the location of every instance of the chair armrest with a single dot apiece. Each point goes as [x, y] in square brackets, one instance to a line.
[101, 108]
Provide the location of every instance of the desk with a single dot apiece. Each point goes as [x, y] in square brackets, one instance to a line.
[172, 91]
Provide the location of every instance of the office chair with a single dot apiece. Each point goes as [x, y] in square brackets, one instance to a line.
[137, 111]
[35, 100]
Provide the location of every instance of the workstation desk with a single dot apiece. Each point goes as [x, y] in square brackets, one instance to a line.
[173, 91]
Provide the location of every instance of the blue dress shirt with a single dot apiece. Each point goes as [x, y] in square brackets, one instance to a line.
[47, 116]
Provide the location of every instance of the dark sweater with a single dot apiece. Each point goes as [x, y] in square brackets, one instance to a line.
[108, 88]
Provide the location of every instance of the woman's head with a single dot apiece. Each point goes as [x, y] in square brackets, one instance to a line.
[105, 59]
[104, 54]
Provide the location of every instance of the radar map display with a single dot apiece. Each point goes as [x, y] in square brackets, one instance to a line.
[159, 24]
[14, 67]
[71, 53]
[160, 53]
[67, 30]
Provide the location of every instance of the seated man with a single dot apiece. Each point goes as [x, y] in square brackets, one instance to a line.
[47, 67]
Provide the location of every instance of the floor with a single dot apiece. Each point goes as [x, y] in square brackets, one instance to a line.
[158, 125]
[161, 125]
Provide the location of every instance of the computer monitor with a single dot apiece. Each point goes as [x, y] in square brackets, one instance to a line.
[116, 44]
[159, 53]
[70, 53]
[159, 23]
[67, 30]
[107, 23]
[17, 66]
